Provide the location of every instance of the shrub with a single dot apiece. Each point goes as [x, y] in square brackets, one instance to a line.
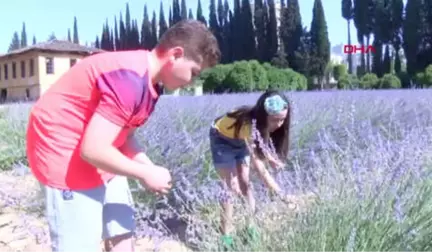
[213, 78]
[339, 70]
[389, 81]
[259, 75]
[239, 78]
[369, 81]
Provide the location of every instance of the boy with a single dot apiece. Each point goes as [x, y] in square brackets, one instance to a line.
[87, 119]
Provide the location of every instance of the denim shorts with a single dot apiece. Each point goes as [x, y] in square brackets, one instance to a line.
[227, 152]
[79, 219]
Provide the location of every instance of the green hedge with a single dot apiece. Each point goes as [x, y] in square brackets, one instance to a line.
[249, 76]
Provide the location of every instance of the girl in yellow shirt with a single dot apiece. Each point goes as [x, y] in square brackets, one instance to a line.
[254, 135]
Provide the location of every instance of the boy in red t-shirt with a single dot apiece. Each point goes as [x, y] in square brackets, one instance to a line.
[80, 142]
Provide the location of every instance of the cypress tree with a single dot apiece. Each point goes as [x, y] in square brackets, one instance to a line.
[15, 43]
[23, 36]
[34, 40]
[176, 12]
[260, 21]
[123, 35]
[69, 38]
[199, 15]
[75, 31]
[97, 42]
[154, 35]
[291, 32]
[190, 14]
[170, 18]
[146, 40]
[116, 35]
[162, 22]
[248, 31]
[184, 10]
[320, 44]
[272, 30]
[347, 14]
[361, 14]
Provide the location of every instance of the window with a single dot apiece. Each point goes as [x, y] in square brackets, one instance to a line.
[49, 62]
[72, 62]
[6, 72]
[14, 75]
[28, 93]
[23, 69]
[32, 67]
[3, 95]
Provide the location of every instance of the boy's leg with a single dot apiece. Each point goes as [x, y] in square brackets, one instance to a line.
[118, 216]
[74, 218]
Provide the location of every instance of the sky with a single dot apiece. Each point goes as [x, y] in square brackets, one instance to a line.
[45, 17]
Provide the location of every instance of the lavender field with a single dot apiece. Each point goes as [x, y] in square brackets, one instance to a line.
[359, 172]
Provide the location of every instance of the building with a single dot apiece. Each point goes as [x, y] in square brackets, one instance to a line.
[28, 72]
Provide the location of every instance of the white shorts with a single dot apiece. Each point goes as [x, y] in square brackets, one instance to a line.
[79, 220]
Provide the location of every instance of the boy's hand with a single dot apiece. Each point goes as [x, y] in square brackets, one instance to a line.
[157, 180]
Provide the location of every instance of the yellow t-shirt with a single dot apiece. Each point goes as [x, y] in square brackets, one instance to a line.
[224, 123]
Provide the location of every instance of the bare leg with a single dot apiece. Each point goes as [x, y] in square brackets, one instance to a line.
[120, 243]
[243, 172]
[230, 184]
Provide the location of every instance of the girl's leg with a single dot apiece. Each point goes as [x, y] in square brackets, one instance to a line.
[243, 171]
[230, 184]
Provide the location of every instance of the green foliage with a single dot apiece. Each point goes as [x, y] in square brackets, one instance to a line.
[339, 70]
[348, 81]
[247, 76]
[369, 81]
[390, 81]
[240, 78]
[425, 78]
[214, 77]
[259, 75]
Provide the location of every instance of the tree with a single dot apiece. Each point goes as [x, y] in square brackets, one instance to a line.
[15, 43]
[34, 40]
[176, 12]
[260, 21]
[23, 36]
[69, 37]
[154, 35]
[248, 40]
[117, 46]
[146, 36]
[320, 44]
[190, 14]
[52, 37]
[361, 14]
[199, 15]
[75, 31]
[271, 30]
[412, 34]
[184, 10]
[347, 14]
[291, 32]
[162, 22]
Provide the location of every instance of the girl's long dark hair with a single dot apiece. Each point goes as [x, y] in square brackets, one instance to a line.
[280, 137]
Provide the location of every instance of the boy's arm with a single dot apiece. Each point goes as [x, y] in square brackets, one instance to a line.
[132, 149]
[119, 93]
[97, 148]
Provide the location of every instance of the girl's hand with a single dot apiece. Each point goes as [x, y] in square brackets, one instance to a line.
[275, 163]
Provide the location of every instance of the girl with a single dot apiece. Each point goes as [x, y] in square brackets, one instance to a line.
[250, 134]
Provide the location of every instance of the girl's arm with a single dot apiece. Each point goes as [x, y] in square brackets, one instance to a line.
[259, 166]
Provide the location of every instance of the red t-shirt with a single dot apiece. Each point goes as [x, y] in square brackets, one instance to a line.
[116, 85]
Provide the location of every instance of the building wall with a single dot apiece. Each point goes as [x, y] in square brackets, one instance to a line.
[30, 82]
[61, 63]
